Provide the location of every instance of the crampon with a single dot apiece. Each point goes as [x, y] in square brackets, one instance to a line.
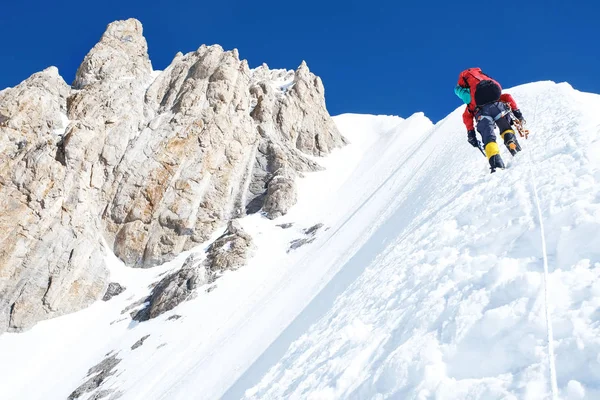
[523, 132]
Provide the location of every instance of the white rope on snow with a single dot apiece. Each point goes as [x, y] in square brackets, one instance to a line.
[551, 363]
[551, 360]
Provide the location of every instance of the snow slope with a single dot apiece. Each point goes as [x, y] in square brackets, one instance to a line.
[452, 306]
[425, 281]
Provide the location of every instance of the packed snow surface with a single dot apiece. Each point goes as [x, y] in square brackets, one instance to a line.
[425, 280]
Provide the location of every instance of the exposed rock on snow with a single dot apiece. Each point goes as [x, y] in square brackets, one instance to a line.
[149, 163]
[135, 305]
[98, 374]
[228, 252]
[313, 229]
[140, 342]
[310, 237]
[174, 289]
[114, 289]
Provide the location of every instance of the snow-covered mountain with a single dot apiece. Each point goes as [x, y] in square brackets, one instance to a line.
[404, 271]
[364, 257]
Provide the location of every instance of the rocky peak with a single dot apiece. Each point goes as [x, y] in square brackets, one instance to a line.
[121, 54]
[151, 164]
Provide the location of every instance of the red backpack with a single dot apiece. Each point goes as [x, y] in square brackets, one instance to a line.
[484, 89]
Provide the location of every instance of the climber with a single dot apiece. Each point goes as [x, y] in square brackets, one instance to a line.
[486, 103]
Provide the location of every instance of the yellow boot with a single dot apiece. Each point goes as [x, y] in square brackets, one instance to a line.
[493, 154]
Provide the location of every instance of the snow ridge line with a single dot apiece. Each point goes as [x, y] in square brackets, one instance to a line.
[550, 333]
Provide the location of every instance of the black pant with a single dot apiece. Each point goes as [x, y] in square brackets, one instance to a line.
[486, 120]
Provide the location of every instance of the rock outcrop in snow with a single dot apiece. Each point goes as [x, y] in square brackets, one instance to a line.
[148, 164]
[228, 252]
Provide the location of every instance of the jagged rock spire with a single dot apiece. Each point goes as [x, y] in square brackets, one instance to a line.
[150, 165]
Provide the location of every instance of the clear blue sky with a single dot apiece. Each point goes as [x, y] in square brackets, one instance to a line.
[377, 57]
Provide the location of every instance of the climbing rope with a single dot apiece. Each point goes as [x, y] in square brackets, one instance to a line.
[551, 360]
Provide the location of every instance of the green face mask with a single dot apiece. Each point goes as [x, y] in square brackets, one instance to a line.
[463, 93]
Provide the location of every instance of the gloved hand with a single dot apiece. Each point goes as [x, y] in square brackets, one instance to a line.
[517, 113]
[472, 138]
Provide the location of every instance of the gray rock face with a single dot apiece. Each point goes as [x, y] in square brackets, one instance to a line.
[140, 342]
[310, 236]
[229, 252]
[114, 289]
[174, 289]
[97, 375]
[150, 164]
